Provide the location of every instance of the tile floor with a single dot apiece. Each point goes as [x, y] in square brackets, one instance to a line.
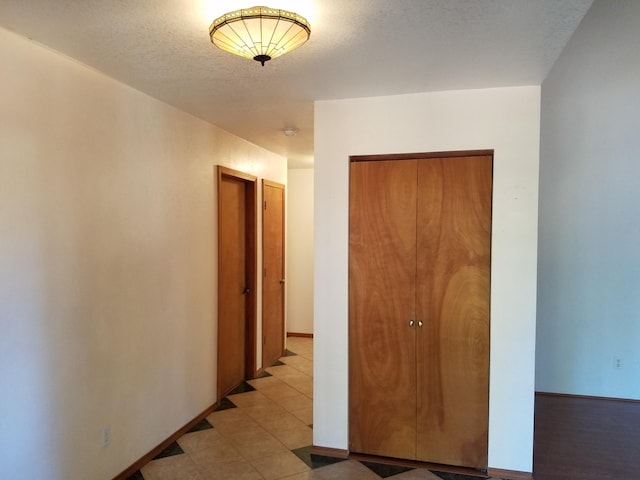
[263, 431]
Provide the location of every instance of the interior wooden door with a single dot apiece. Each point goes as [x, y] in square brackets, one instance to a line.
[273, 280]
[236, 278]
[453, 258]
[382, 249]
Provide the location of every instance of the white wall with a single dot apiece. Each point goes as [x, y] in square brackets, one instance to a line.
[300, 250]
[589, 257]
[107, 265]
[504, 119]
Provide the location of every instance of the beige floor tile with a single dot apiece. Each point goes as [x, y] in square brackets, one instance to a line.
[229, 430]
[303, 384]
[230, 415]
[349, 469]
[417, 474]
[306, 369]
[296, 361]
[297, 402]
[279, 466]
[249, 399]
[253, 446]
[191, 442]
[278, 392]
[264, 411]
[176, 467]
[284, 421]
[310, 475]
[295, 438]
[241, 470]
[303, 351]
[297, 380]
[208, 448]
[233, 420]
[260, 383]
[283, 371]
[304, 414]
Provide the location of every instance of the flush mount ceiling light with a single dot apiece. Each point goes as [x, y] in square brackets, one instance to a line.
[261, 33]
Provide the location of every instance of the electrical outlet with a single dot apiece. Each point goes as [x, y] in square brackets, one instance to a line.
[106, 435]
[617, 362]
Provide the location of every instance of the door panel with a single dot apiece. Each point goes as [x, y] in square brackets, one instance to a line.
[273, 272]
[454, 242]
[232, 306]
[236, 278]
[382, 248]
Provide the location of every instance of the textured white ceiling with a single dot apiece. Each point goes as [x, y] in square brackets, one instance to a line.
[358, 48]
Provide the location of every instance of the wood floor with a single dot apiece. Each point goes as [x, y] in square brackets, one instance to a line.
[586, 439]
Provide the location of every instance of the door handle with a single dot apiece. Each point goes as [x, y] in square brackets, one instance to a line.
[282, 280]
[246, 290]
[420, 324]
[411, 323]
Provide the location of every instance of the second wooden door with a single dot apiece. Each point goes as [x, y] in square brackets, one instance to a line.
[273, 272]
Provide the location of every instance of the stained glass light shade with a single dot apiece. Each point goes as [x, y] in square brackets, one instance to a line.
[261, 33]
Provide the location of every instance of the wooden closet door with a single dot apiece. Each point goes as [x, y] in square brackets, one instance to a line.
[454, 242]
[382, 249]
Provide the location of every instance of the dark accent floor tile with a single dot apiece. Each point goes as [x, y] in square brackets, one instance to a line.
[456, 476]
[263, 374]
[242, 388]
[225, 404]
[201, 425]
[315, 461]
[383, 470]
[277, 363]
[173, 449]
[289, 353]
[136, 476]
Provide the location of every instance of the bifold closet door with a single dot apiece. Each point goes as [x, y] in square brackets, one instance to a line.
[419, 290]
[382, 271]
[452, 302]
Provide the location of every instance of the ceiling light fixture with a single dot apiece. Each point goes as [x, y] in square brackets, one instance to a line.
[289, 131]
[261, 33]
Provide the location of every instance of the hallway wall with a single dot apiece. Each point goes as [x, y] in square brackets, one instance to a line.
[589, 264]
[300, 250]
[107, 265]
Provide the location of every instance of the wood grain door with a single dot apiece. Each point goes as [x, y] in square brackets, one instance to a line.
[382, 250]
[273, 280]
[419, 280]
[453, 259]
[236, 278]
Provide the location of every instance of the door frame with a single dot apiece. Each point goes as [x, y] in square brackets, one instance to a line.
[269, 183]
[251, 248]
